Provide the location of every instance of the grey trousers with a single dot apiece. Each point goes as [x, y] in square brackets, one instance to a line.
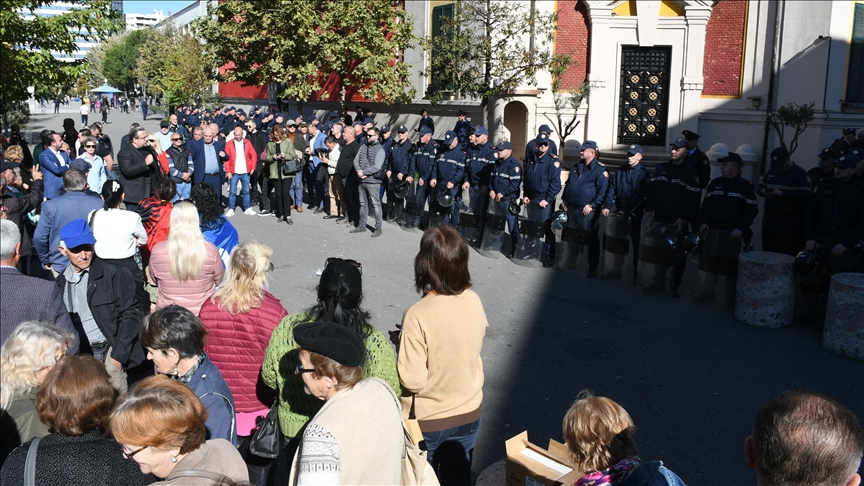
[370, 191]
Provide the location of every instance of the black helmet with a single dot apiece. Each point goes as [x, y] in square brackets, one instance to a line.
[515, 206]
[858, 247]
[692, 243]
[806, 263]
[559, 222]
[400, 188]
[445, 199]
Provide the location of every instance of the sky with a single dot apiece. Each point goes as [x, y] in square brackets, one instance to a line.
[147, 6]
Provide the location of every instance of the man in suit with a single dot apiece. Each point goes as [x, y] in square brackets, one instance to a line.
[138, 162]
[24, 298]
[208, 155]
[54, 163]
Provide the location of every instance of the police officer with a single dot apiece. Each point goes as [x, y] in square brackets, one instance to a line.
[672, 198]
[450, 170]
[586, 190]
[697, 158]
[480, 161]
[844, 143]
[729, 205]
[426, 121]
[825, 170]
[628, 187]
[835, 216]
[787, 193]
[531, 147]
[504, 186]
[857, 154]
[426, 154]
[400, 167]
[463, 126]
[541, 183]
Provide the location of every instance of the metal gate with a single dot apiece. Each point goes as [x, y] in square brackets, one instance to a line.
[642, 110]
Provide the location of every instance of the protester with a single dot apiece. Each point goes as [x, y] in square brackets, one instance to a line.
[214, 225]
[98, 173]
[439, 354]
[161, 425]
[335, 448]
[174, 340]
[74, 402]
[26, 357]
[186, 268]
[158, 215]
[18, 204]
[599, 434]
[279, 149]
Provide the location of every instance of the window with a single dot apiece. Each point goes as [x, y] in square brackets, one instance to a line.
[855, 82]
[438, 15]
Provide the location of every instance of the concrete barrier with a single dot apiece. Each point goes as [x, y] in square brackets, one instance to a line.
[844, 318]
[766, 289]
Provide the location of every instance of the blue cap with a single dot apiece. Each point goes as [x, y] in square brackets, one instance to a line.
[311, 118]
[232, 108]
[589, 144]
[424, 130]
[779, 156]
[294, 115]
[334, 114]
[77, 233]
[481, 131]
[256, 108]
[680, 142]
[731, 157]
[385, 129]
[241, 112]
[846, 162]
[828, 153]
[541, 139]
[634, 149]
[544, 129]
[505, 146]
[402, 129]
[856, 153]
[281, 114]
[449, 137]
[369, 121]
[81, 165]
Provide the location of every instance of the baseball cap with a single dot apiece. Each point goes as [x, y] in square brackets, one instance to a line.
[6, 165]
[778, 157]
[369, 121]
[81, 165]
[281, 115]
[311, 118]
[425, 130]
[481, 131]
[542, 139]
[690, 135]
[164, 124]
[449, 137]
[505, 146]
[302, 124]
[334, 114]
[634, 149]
[256, 108]
[589, 144]
[290, 123]
[385, 129]
[828, 153]
[679, 142]
[463, 113]
[402, 129]
[846, 162]
[731, 157]
[77, 233]
[545, 128]
[856, 153]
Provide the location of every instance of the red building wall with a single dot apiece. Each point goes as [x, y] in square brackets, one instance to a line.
[724, 48]
[237, 90]
[572, 38]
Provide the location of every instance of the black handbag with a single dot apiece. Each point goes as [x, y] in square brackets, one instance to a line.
[291, 167]
[267, 438]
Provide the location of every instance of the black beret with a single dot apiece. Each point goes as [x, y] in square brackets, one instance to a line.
[335, 341]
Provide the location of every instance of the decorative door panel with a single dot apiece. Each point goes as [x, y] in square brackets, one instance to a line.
[644, 98]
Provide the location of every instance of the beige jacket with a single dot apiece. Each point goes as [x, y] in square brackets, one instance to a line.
[217, 455]
[356, 438]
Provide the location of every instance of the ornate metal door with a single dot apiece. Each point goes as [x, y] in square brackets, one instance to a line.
[643, 105]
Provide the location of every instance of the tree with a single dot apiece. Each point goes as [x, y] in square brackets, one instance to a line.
[96, 56]
[791, 115]
[121, 61]
[28, 40]
[567, 107]
[302, 45]
[174, 63]
[481, 51]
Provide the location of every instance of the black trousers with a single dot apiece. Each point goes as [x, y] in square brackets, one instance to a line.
[352, 196]
[283, 196]
[258, 188]
[142, 298]
[783, 235]
[680, 262]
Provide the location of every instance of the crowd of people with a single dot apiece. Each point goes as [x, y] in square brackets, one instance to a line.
[143, 273]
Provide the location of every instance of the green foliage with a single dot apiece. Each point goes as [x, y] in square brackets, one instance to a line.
[479, 53]
[121, 61]
[299, 43]
[794, 116]
[90, 20]
[17, 113]
[567, 107]
[174, 63]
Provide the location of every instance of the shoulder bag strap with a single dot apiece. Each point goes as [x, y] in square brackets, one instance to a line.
[197, 473]
[30, 463]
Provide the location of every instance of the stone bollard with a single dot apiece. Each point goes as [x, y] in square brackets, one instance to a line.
[844, 319]
[766, 289]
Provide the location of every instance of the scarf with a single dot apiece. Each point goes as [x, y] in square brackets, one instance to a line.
[612, 475]
[187, 377]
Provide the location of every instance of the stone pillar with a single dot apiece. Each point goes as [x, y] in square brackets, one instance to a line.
[766, 289]
[844, 319]
[716, 151]
[750, 158]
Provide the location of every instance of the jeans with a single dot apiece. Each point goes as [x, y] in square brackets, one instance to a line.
[370, 191]
[451, 451]
[296, 190]
[244, 188]
[184, 191]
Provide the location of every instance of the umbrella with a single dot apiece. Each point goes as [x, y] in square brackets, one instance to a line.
[105, 89]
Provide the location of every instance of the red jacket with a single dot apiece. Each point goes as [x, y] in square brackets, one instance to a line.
[248, 151]
[236, 345]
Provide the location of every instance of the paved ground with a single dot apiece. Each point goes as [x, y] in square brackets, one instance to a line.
[690, 375]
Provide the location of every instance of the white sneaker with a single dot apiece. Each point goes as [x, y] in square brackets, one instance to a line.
[249, 211]
[229, 213]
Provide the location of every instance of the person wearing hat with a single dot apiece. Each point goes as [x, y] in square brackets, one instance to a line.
[786, 190]
[480, 160]
[425, 154]
[335, 448]
[540, 185]
[627, 191]
[844, 143]
[586, 191]
[672, 198]
[450, 166]
[825, 170]
[729, 205]
[101, 298]
[531, 147]
[697, 158]
[504, 186]
[164, 134]
[426, 121]
[463, 127]
[835, 216]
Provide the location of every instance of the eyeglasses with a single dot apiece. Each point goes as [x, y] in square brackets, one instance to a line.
[299, 370]
[176, 139]
[89, 146]
[130, 455]
[353, 263]
[151, 139]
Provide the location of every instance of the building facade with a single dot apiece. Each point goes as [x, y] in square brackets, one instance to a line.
[136, 21]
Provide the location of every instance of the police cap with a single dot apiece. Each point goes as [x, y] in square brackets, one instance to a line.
[634, 149]
[449, 137]
[846, 162]
[334, 114]
[731, 157]
[402, 129]
[856, 153]
[481, 131]
[542, 139]
[385, 129]
[589, 144]
[463, 113]
[505, 146]
[828, 153]
[848, 131]
[369, 121]
[679, 142]
[690, 136]
[545, 129]
[425, 130]
[778, 157]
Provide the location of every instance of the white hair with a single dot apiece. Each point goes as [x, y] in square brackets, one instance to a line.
[10, 236]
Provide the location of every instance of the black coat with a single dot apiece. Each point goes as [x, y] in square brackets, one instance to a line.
[135, 174]
[111, 297]
[673, 193]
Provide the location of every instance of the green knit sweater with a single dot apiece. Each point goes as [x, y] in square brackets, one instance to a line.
[296, 408]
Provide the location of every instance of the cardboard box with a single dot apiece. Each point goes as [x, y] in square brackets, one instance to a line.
[530, 465]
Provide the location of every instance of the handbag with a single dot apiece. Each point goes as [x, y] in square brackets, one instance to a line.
[30, 463]
[416, 470]
[291, 167]
[267, 439]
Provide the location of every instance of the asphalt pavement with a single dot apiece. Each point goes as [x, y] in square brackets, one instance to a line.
[690, 375]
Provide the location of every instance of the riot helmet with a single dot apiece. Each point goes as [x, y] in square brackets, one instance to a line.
[559, 222]
[806, 263]
[445, 199]
[692, 244]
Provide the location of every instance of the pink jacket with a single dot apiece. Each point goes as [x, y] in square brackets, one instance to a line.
[236, 345]
[192, 293]
[248, 152]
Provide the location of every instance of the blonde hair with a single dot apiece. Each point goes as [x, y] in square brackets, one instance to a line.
[32, 346]
[246, 279]
[156, 144]
[186, 244]
[15, 154]
[598, 433]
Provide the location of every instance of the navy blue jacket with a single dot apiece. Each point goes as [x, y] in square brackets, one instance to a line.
[836, 213]
[629, 185]
[480, 161]
[542, 178]
[673, 193]
[401, 158]
[531, 149]
[730, 203]
[588, 184]
[450, 166]
[425, 159]
[462, 128]
[699, 162]
[427, 122]
[505, 178]
[209, 386]
[199, 159]
[796, 189]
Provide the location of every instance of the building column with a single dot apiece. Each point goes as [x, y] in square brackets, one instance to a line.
[696, 16]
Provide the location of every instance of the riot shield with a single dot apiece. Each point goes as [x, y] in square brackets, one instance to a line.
[470, 219]
[573, 249]
[617, 258]
[437, 213]
[720, 253]
[495, 225]
[658, 252]
[829, 264]
[414, 202]
[530, 245]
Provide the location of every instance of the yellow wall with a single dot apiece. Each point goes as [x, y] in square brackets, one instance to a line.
[626, 9]
[667, 9]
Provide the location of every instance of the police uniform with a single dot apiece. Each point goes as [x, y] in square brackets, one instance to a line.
[836, 211]
[627, 189]
[541, 181]
[816, 174]
[504, 179]
[531, 148]
[783, 221]
[463, 128]
[400, 161]
[480, 161]
[425, 165]
[426, 122]
[588, 185]
[697, 160]
[450, 168]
